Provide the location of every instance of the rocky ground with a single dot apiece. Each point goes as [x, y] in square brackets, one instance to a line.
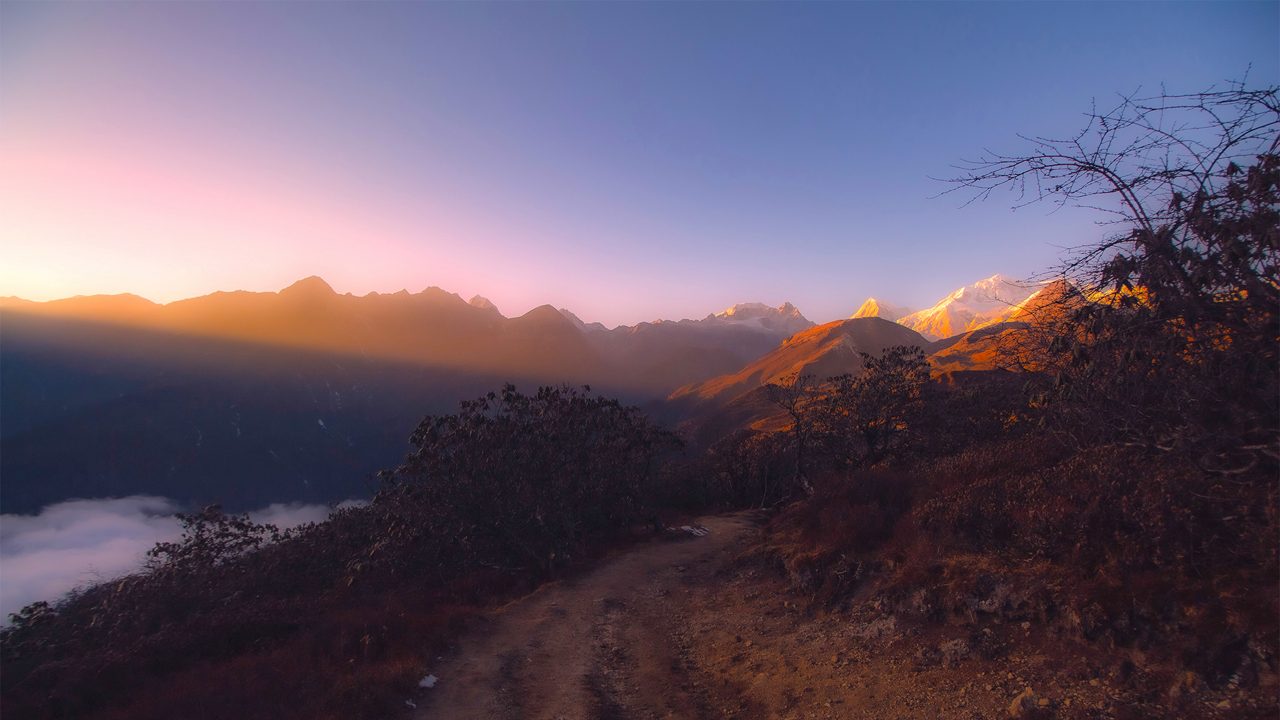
[702, 627]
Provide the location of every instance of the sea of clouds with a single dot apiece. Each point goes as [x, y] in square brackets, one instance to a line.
[78, 543]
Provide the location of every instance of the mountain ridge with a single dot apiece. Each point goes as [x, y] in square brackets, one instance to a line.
[986, 301]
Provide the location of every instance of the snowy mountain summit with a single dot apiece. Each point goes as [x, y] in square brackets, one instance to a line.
[785, 318]
[985, 302]
[871, 307]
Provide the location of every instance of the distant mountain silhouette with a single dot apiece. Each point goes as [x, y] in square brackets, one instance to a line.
[252, 397]
[97, 410]
[662, 355]
[439, 329]
[255, 397]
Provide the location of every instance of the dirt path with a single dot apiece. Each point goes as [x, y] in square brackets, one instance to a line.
[676, 629]
[609, 644]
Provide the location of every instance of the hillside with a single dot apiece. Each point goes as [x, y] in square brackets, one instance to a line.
[1011, 343]
[93, 410]
[662, 355]
[733, 400]
[249, 398]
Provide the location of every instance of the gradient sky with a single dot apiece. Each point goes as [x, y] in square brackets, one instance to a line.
[627, 161]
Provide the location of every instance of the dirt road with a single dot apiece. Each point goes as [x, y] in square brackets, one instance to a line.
[676, 628]
[609, 644]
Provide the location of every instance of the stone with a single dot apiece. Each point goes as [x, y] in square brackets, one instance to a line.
[1024, 704]
[953, 651]
[1188, 683]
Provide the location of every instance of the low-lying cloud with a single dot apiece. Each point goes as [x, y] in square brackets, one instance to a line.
[78, 543]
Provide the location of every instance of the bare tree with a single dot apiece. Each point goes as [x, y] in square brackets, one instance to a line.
[1141, 154]
[1177, 345]
[793, 396]
[862, 417]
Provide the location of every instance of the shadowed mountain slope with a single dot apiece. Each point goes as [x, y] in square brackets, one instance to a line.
[736, 400]
[95, 410]
[248, 398]
[822, 351]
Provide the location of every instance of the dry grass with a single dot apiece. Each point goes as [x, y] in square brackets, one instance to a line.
[1105, 545]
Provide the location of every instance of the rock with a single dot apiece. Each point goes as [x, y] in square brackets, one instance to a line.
[926, 656]
[1188, 683]
[1246, 675]
[1024, 704]
[953, 651]
[989, 597]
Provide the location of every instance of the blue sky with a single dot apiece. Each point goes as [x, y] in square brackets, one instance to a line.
[628, 161]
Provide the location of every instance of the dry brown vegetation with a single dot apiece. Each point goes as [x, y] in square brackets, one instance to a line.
[1118, 501]
[1128, 499]
[336, 619]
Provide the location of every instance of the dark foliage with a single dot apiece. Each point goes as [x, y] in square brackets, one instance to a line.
[860, 418]
[515, 478]
[1122, 486]
[1146, 518]
[1177, 349]
[750, 468]
[845, 422]
[340, 613]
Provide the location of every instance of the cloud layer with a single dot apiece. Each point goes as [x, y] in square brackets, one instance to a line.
[82, 542]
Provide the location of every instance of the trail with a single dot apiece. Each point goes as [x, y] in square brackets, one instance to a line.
[610, 644]
[678, 628]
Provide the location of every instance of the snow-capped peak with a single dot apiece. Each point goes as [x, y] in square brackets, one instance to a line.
[985, 302]
[872, 307]
[995, 290]
[755, 309]
[784, 318]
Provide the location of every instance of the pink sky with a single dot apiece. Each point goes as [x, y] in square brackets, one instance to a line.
[626, 161]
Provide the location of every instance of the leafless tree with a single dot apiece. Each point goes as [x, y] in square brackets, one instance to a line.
[793, 396]
[1177, 345]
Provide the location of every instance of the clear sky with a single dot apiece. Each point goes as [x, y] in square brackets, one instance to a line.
[627, 161]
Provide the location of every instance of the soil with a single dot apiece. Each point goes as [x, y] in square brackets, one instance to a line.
[699, 627]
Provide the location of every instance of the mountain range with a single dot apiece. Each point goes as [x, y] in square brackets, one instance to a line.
[986, 302]
[300, 395]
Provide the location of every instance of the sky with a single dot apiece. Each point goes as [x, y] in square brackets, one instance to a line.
[628, 161]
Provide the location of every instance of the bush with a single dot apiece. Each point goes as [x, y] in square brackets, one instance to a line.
[526, 478]
[339, 613]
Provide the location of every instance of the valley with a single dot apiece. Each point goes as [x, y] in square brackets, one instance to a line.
[246, 399]
[639, 360]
